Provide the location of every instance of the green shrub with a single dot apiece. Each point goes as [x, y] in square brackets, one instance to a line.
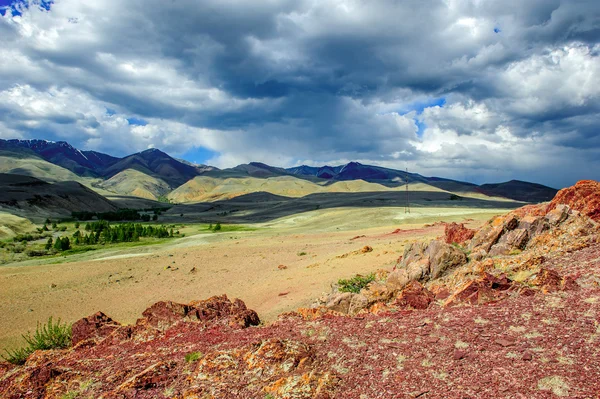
[47, 336]
[356, 283]
[193, 357]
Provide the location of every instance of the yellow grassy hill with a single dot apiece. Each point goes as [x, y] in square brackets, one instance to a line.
[204, 188]
[136, 183]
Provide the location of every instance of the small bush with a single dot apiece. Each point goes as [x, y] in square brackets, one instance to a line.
[47, 336]
[356, 283]
[301, 253]
[36, 252]
[193, 357]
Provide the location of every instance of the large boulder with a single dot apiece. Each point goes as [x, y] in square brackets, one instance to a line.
[423, 262]
[443, 257]
[163, 315]
[583, 197]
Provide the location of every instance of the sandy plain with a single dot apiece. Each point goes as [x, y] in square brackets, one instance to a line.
[317, 248]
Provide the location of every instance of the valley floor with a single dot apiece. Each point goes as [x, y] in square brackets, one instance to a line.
[314, 248]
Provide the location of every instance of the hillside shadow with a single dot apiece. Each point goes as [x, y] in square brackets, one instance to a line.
[263, 207]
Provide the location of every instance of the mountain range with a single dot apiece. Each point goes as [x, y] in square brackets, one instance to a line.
[153, 174]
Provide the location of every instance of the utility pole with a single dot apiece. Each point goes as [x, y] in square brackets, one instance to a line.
[407, 207]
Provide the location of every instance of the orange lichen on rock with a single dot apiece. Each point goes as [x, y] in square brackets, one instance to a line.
[583, 197]
[457, 233]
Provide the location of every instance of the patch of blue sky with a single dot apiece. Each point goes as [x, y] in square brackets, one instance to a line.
[137, 121]
[17, 6]
[199, 155]
[419, 107]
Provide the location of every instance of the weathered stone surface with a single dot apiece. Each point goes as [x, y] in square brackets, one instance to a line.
[358, 303]
[486, 289]
[96, 327]
[154, 376]
[558, 215]
[443, 257]
[340, 302]
[422, 261]
[455, 233]
[510, 241]
[397, 280]
[549, 280]
[583, 197]
[164, 314]
[485, 238]
[377, 292]
[414, 296]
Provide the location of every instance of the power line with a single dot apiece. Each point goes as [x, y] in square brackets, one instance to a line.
[407, 207]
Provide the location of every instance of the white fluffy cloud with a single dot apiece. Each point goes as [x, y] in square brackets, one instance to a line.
[475, 90]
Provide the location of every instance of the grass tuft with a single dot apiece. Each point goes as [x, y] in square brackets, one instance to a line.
[356, 283]
[47, 336]
[193, 357]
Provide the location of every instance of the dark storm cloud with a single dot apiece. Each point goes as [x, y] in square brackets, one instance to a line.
[314, 81]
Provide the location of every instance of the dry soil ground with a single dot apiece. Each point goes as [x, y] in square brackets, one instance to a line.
[317, 248]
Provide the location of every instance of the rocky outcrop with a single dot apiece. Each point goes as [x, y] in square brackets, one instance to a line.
[455, 233]
[162, 316]
[583, 197]
[95, 327]
[424, 262]
[218, 309]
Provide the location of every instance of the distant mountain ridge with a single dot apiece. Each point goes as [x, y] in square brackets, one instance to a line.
[153, 173]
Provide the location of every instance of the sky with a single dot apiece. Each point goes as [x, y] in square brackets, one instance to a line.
[475, 90]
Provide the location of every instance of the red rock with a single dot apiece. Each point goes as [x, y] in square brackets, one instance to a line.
[164, 314]
[151, 377]
[548, 280]
[487, 289]
[569, 284]
[414, 296]
[366, 249]
[96, 327]
[527, 356]
[282, 267]
[505, 342]
[459, 354]
[584, 197]
[457, 233]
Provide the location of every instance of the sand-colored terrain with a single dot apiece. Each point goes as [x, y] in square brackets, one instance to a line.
[136, 183]
[316, 247]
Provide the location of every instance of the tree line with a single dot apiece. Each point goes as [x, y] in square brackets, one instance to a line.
[102, 232]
